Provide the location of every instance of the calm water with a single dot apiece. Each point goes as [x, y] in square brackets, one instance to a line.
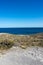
[21, 30]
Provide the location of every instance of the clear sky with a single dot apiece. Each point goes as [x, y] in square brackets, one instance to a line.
[21, 13]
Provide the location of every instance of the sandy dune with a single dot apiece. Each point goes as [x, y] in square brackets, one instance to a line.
[18, 56]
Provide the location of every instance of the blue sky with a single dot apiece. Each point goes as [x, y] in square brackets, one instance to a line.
[21, 13]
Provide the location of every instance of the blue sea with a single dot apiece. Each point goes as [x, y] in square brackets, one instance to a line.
[23, 31]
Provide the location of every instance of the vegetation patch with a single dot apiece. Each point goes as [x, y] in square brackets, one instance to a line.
[23, 41]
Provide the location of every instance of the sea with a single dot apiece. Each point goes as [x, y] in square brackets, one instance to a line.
[21, 31]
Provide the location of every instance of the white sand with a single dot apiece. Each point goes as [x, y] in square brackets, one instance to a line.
[18, 56]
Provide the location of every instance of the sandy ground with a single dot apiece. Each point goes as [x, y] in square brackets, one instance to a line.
[18, 56]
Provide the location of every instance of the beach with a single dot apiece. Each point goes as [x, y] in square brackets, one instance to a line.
[21, 49]
[18, 56]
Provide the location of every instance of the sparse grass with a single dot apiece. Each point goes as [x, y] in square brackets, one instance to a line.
[9, 40]
[6, 44]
